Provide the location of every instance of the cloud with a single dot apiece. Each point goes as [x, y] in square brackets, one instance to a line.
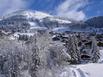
[7, 6]
[72, 9]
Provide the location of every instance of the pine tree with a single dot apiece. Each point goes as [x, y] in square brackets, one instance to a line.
[72, 48]
[95, 52]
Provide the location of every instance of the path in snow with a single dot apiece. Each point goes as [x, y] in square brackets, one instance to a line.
[78, 72]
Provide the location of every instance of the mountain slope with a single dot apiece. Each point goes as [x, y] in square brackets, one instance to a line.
[96, 22]
[23, 20]
[29, 14]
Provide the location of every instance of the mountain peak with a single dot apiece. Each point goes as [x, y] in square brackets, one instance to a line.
[29, 14]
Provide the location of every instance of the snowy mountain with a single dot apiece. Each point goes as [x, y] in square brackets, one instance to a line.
[96, 22]
[29, 14]
[21, 21]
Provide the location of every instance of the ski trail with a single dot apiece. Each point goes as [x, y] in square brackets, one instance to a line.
[82, 73]
[77, 72]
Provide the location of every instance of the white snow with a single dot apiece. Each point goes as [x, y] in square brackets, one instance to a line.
[36, 14]
[25, 73]
[12, 38]
[41, 15]
[83, 70]
[16, 35]
[30, 14]
[28, 34]
[32, 24]
[60, 29]
[61, 21]
[101, 56]
[87, 70]
[38, 28]
[93, 70]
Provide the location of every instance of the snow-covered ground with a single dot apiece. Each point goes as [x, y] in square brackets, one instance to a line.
[84, 70]
[90, 70]
[87, 70]
[81, 70]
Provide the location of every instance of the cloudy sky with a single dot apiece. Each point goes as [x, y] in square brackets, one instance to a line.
[75, 9]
